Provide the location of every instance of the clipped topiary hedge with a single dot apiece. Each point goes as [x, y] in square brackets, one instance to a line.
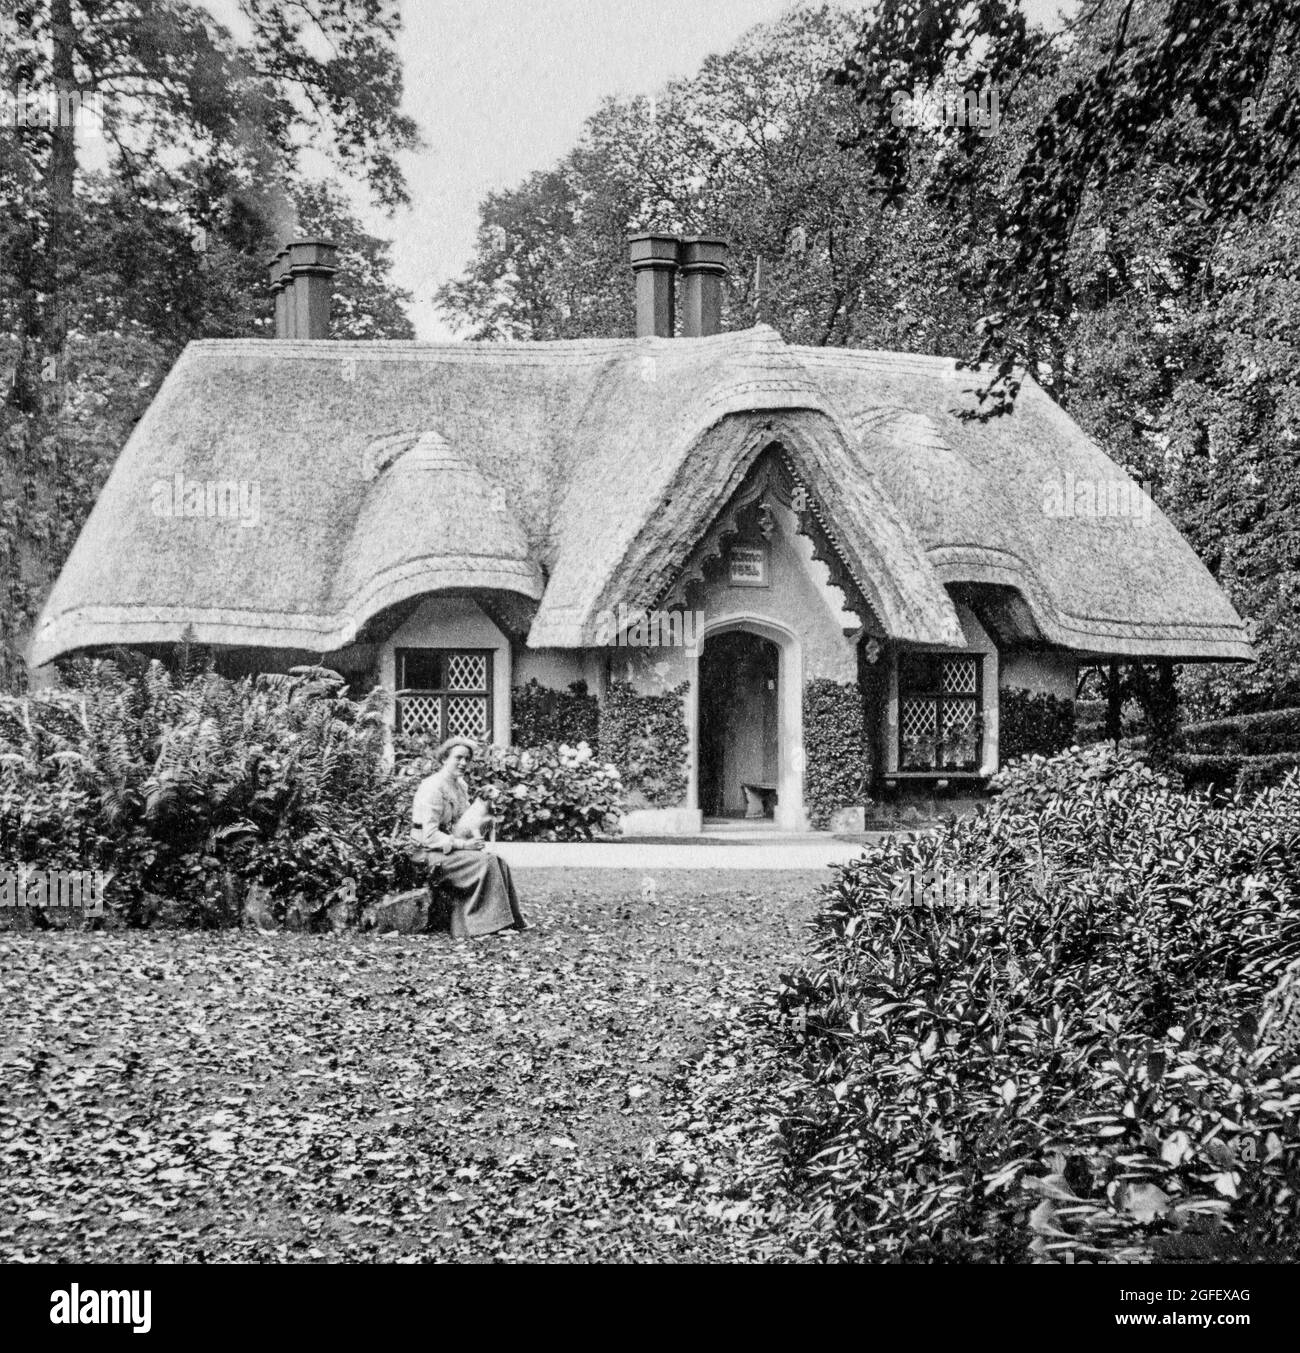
[1033, 723]
[646, 737]
[1223, 772]
[1248, 734]
[837, 766]
[1215, 772]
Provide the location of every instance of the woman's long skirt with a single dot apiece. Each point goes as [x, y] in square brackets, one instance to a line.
[481, 892]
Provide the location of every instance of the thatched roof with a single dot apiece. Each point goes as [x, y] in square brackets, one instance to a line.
[975, 493]
[574, 475]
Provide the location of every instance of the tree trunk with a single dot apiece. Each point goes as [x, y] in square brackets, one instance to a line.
[1114, 706]
[1159, 700]
[1166, 735]
[60, 185]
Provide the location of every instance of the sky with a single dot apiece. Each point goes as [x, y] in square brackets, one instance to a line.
[501, 88]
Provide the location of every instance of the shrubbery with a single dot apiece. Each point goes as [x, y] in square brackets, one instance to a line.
[192, 792]
[1103, 1065]
[837, 762]
[539, 715]
[550, 793]
[1033, 723]
[1255, 734]
[1248, 752]
[188, 792]
[647, 738]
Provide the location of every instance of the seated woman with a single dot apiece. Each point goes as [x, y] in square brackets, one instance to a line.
[478, 881]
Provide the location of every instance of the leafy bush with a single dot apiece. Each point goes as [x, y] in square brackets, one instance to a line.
[1263, 772]
[1032, 722]
[1101, 1063]
[540, 715]
[550, 793]
[1090, 720]
[837, 762]
[189, 792]
[647, 738]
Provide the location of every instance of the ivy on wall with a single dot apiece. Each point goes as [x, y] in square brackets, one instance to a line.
[836, 758]
[540, 715]
[1033, 723]
[646, 737]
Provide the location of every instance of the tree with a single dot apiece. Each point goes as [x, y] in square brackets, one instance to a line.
[749, 148]
[106, 274]
[366, 304]
[1194, 106]
[1135, 257]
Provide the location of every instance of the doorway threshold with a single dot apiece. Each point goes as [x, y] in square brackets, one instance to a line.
[756, 831]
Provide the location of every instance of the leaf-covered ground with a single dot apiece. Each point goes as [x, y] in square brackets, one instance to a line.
[571, 1093]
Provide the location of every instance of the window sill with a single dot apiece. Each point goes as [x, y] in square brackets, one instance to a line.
[935, 775]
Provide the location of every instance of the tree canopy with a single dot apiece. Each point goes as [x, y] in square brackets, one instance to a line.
[147, 219]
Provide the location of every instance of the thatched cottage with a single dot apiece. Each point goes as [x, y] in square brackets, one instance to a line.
[716, 511]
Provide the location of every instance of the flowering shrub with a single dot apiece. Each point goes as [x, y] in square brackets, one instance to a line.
[1105, 1065]
[550, 793]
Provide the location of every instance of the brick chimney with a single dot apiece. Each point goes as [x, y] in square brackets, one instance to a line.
[704, 268]
[654, 265]
[301, 277]
[280, 288]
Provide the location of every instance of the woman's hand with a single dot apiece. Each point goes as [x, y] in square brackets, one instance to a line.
[472, 843]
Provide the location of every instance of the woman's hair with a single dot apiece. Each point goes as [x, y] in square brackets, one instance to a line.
[446, 749]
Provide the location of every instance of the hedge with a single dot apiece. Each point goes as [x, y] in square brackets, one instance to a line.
[1033, 723]
[540, 715]
[1225, 771]
[1250, 734]
[646, 737]
[837, 762]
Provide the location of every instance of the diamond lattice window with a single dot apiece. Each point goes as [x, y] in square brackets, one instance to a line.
[939, 725]
[467, 672]
[961, 675]
[445, 692]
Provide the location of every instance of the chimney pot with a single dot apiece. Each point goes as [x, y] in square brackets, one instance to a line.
[654, 265]
[704, 269]
[311, 266]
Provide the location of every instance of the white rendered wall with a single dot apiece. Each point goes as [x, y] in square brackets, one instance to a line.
[454, 622]
[1045, 673]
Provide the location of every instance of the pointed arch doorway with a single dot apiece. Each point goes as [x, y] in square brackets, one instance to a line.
[747, 722]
